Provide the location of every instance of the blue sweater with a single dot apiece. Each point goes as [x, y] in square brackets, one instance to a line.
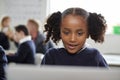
[41, 47]
[4, 41]
[87, 57]
[3, 64]
[25, 54]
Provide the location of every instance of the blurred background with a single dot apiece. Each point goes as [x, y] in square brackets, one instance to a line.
[22, 10]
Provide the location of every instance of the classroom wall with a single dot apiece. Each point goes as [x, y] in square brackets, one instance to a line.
[22, 10]
[111, 44]
[2, 9]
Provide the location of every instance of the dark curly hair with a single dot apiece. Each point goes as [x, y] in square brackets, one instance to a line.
[96, 24]
[96, 27]
[52, 27]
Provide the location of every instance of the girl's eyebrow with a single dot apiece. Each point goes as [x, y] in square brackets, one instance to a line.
[69, 29]
[80, 30]
[66, 28]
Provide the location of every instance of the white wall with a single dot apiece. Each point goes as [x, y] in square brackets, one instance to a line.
[108, 8]
[110, 46]
[21, 10]
[2, 8]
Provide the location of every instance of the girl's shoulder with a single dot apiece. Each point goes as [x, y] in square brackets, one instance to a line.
[91, 50]
[55, 50]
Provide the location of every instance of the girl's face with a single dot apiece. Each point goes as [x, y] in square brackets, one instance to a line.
[73, 33]
[6, 23]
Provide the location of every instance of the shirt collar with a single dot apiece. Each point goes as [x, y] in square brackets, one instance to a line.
[27, 38]
[84, 47]
[5, 29]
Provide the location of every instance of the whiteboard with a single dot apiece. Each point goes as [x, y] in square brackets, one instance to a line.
[22, 10]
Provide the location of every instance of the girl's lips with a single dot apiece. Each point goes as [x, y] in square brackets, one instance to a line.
[72, 46]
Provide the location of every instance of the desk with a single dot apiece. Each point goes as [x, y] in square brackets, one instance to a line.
[24, 72]
[113, 60]
[10, 51]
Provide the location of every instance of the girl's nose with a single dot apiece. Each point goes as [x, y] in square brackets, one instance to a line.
[73, 38]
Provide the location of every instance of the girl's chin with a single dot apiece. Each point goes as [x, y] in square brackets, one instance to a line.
[72, 52]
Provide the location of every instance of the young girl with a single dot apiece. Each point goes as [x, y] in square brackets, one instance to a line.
[6, 33]
[74, 26]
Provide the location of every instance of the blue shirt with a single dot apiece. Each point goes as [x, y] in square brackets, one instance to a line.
[87, 57]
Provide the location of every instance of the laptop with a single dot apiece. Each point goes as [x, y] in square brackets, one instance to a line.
[28, 72]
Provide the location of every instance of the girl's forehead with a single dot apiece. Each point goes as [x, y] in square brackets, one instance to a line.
[73, 19]
[74, 22]
[72, 15]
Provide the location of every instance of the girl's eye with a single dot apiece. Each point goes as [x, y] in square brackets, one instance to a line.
[66, 32]
[80, 33]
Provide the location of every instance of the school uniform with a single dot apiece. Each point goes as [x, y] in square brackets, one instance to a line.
[4, 41]
[3, 64]
[25, 53]
[41, 47]
[85, 57]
